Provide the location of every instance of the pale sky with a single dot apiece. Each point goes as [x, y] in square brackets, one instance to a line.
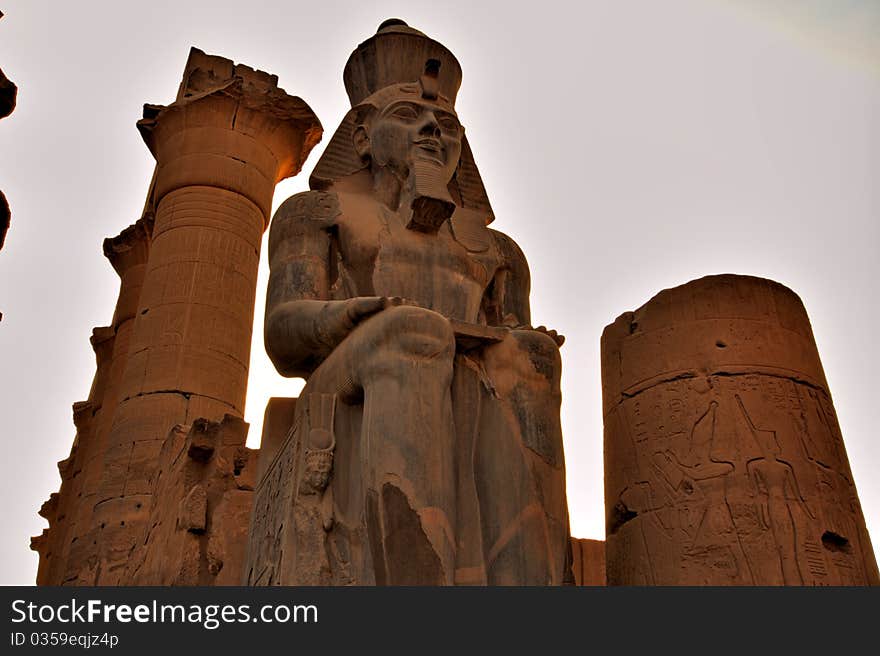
[627, 147]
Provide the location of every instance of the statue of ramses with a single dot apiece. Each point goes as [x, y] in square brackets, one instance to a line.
[426, 446]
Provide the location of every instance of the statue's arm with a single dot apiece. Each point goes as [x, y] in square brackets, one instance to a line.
[507, 300]
[302, 325]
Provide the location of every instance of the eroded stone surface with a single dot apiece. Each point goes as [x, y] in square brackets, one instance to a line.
[197, 534]
[220, 148]
[182, 327]
[426, 447]
[67, 548]
[724, 461]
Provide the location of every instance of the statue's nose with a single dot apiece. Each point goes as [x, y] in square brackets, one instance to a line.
[430, 126]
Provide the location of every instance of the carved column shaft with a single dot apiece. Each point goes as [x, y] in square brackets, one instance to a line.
[66, 547]
[724, 462]
[220, 148]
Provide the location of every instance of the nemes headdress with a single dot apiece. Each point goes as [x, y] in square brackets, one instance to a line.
[399, 59]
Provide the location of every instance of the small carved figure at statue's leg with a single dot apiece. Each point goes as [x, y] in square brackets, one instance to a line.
[519, 450]
[319, 445]
[313, 516]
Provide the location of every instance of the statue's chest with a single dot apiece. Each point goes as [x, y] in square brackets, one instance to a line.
[381, 256]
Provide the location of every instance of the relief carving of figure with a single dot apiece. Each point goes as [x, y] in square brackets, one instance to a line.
[775, 485]
[392, 297]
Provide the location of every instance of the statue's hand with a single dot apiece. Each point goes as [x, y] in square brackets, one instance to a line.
[338, 318]
[359, 308]
[552, 334]
[511, 322]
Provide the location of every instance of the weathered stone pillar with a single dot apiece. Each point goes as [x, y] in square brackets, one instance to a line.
[128, 253]
[67, 547]
[220, 148]
[724, 462]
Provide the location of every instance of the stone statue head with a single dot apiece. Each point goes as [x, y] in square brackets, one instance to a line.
[402, 86]
[319, 465]
[406, 128]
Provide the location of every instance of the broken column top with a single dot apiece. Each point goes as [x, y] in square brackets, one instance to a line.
[211, 75]
[230, 127]
[131, 246]
[705, 303]
[711, 326]
[204, 72]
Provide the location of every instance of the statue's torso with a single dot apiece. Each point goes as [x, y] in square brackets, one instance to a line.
[379, 256]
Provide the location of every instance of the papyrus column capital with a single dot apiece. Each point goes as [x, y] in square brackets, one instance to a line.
[230, 127]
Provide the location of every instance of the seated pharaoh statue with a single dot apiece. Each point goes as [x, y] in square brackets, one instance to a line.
[426, 446]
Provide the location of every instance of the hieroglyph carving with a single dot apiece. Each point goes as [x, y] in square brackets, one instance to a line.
[724, 459]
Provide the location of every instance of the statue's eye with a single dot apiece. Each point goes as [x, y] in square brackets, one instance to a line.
[448, 123]
[405, 112]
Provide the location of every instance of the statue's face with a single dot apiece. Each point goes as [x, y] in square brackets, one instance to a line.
[317, 473]
[319, 478]
[411, 131]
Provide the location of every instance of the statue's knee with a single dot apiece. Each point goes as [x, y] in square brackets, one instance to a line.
[539, 352]
[416, 333]
[401, 337]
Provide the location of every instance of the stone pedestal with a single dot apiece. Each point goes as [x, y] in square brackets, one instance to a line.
[724, 462]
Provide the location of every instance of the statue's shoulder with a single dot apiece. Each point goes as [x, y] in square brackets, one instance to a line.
[318, 208]
[510, 252]
[301, 217]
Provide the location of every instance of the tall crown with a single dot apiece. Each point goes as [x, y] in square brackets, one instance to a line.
[397, 54]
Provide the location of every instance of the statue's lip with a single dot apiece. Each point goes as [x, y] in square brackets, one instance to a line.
[430, 144]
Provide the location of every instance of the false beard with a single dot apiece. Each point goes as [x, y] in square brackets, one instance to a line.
[431, 203]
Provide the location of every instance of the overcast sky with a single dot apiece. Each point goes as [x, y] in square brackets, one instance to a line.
[626, 146]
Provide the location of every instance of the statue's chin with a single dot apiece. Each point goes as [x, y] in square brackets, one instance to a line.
[429, 177]
[430, 157]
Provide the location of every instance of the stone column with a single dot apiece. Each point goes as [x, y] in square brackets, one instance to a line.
[67, 547]
[220, 148]
[724, 462]
[128, 254]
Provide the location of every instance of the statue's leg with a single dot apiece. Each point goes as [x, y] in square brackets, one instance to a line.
[519, 463]
[400, 362]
